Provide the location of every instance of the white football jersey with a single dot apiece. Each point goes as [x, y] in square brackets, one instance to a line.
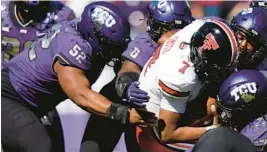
[169, 76]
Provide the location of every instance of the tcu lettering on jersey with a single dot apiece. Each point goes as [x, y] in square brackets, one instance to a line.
[243, 89]
[103, 17]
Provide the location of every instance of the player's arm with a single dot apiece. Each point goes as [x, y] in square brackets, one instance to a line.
[171, 133]
[128, 73]
[173, 105]
[77, 87]
[135, 56]
[75, 84]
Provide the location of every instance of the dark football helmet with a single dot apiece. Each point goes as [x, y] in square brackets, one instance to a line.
[214, 51]
[250, 22]
[32, 11]
[166, 15]
[242, 97]
[105, 28]
[259, 3]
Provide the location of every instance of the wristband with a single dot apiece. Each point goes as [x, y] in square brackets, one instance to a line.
[210, 127]
[118, 112]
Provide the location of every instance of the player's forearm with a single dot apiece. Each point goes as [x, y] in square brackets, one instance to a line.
[183, 134]
[129, 66]
[92, 102]
[127, 74]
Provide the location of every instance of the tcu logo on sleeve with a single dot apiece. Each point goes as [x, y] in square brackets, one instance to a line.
[244, 89]
[102, 17]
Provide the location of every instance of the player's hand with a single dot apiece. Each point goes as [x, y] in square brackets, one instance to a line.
[135, 95]
[142, 117]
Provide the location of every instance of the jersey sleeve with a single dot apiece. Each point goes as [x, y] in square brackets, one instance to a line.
[75, 53]
[140, 50]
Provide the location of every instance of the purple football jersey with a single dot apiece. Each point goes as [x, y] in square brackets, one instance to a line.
[140, 49]
[14, 37]
[256, 131]
[31, 72]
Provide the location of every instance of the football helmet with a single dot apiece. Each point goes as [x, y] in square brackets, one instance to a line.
[105, 28]
[214, 51]
[32, 11]
[165, 15]
[250, 22]
[259, 3]
[242, 98]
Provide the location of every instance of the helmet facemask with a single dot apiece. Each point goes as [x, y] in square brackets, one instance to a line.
[111, 51]
[32, 13]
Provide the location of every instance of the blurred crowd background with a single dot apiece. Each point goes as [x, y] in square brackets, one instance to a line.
[136, 11]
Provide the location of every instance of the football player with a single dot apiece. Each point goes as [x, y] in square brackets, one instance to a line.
[195, 58]
[64, 63]
[25, 21]
[163, 16]
[242, 105]
[22, 23]
[252, 38]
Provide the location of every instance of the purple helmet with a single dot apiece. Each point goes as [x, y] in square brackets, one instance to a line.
[242, 95]
[32, 10]
[252, 23]
[214, 51]
[165, 15]
[105, 28]
[259, 3]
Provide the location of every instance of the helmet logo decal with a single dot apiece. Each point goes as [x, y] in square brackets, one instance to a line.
[103, 17]
[247, 97]
[247, 11]
[244, 89]
[209, 43]
[178, 22]
[162, 3]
